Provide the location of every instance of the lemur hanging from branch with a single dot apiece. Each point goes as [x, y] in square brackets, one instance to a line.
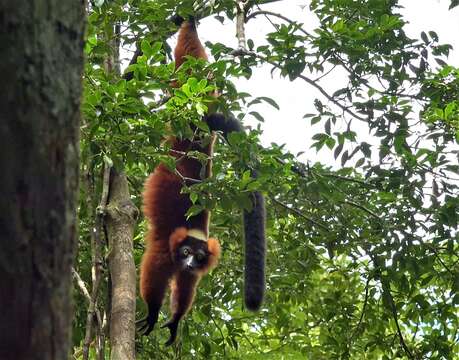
[178, 249]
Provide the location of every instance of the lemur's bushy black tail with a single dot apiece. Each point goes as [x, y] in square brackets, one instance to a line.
[255, 250]
[254, 226]
[225, 124]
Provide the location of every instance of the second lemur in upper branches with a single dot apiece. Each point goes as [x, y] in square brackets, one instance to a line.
[178, 249]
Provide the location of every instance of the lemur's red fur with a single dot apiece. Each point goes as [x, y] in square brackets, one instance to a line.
[165, 207]
[171, 232]
[188, 43]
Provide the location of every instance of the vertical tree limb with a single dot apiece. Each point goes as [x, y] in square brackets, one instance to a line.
[120, 222]
[97, 244]
[240, 23]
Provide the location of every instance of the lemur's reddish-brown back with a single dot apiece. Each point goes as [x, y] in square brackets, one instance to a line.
[188, 43]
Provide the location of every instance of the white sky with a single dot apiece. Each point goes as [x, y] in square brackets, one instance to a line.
[296, 98]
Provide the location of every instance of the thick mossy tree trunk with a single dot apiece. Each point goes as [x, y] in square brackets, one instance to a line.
[40, 87]
[121, 216]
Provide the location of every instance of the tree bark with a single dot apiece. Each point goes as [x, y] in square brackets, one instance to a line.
[120, 222]
[41, 67]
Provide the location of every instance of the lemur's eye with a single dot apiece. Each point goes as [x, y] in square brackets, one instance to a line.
[185, 252]
[200, 256]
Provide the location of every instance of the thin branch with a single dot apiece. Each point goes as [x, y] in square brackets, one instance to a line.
[275, 26]
[325, 74]
[344, 178]
[164, 99]
[81, 285]
[299, 213]
[186, 179]
[264, 12]
[221, 333]
[299, 169]
[385, 284]
[361, 207]
[254, 348]
[91, 314]
[105, 188]
[96, 259]
[301, 172]
[324, 93]
[238, 52]
[259, 2]
[386, 290]
[365, 302]
[344, 65]
[86, 294]
[437, 255]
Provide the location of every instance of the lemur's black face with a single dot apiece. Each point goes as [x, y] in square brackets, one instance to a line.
[192, 254]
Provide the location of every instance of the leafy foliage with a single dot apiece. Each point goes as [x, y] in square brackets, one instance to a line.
[363, 261]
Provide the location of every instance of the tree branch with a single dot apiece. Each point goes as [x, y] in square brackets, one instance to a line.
[365, 302]
[120, 222]
[240, 23]
[361, 207]
[299, 213]
[385, 284]
[81, 285]
[240, 52]
[344, 178]
[386, 290]
[96, 260]
[265, 12]
[437, 255]
[186, 179]
[251, 3]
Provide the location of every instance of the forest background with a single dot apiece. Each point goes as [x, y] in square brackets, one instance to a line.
[356, 153]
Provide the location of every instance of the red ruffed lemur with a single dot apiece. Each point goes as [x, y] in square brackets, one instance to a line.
[178, 249]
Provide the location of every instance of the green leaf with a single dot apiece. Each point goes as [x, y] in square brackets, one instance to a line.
[340, 92]
[157, 46]
[193, 211]
[424, 37]
[201, 109]
[337, 151]
[257, 116]
[146, 48]
[359, 162]
[193, 197]
[269, 101]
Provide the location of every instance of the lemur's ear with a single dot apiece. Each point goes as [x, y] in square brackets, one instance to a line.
[177, 19]
[177, 237]
[214, 248]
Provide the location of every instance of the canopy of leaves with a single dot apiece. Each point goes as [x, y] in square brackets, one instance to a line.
[363, 261]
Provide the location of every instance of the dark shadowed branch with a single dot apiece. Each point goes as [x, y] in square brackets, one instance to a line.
[299, 213]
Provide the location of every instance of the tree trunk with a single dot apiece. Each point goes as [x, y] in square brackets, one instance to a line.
[120, 222]
[41, 67]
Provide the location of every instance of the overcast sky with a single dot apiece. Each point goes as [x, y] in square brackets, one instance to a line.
[296, 98]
